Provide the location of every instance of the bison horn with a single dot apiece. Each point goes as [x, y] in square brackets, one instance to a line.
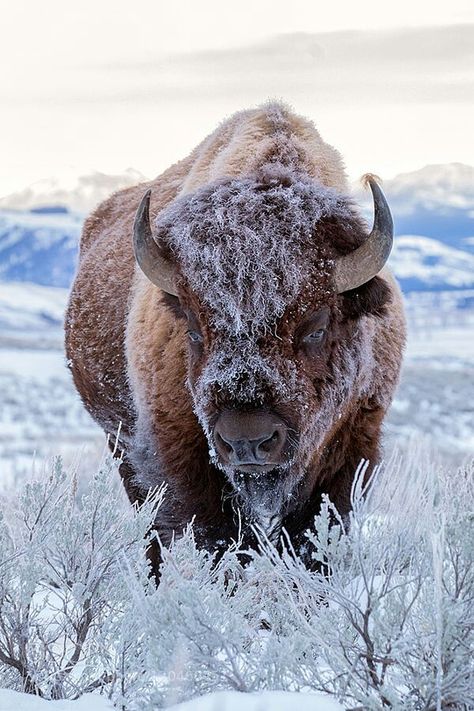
[365, 262]
[148, 253]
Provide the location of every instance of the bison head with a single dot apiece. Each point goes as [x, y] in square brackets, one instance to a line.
[275, 275]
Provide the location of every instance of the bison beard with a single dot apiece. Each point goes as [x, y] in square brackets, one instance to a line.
[252, 366]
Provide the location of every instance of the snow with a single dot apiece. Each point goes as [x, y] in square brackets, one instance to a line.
[445, 185]
[41, 415]
[39, 247]
[431, 262]
[265, 701]
[200, 633]
[219, 701]
[438, 186]
[29, 296]
[25, 306]
[48, 227]
[16, 701]
[444, 343]
[41, 365]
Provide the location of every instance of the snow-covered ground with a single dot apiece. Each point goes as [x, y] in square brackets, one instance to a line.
[25, 307]
[434, 401]
[219, 701]
[41, 414]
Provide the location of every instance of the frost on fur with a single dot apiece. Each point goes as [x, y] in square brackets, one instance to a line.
[247, 245]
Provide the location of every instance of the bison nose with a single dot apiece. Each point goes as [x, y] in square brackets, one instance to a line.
[249, 440]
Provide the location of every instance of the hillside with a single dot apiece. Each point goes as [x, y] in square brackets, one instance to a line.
[39, 246]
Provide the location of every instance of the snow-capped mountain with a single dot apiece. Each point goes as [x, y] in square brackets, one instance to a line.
[436, 201]
[441, 187]
[77, 193]
[426, 264]
[39, 246]
[435, 187]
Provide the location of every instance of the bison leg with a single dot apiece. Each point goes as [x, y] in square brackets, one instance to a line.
[137, 496]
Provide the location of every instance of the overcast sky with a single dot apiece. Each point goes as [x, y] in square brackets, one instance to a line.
[109, 84]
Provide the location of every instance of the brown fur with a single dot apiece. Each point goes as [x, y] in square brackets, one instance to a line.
[127, 345]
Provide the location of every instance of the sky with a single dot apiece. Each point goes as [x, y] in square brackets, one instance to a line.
[107, 84]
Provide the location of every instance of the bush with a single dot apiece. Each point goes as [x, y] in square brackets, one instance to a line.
[387, 623]
[62, 594]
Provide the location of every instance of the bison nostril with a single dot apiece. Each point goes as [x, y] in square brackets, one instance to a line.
[226, 446]
[269, 444]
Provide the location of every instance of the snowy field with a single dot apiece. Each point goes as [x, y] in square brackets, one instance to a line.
[41, 416]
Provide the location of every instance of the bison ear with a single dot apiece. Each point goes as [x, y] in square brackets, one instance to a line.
[150, 256]
[369, 299]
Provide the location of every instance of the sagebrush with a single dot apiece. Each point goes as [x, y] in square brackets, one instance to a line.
[385, 619]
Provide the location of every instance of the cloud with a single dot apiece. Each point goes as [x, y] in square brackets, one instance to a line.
[422, 65]
[390, 100]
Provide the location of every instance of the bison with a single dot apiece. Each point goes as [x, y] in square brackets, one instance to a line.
[235, 318]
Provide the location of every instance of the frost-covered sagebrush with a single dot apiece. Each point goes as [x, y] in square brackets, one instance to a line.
[62, 597]
[386, 621]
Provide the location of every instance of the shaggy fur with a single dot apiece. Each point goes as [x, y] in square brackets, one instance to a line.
[254, 219]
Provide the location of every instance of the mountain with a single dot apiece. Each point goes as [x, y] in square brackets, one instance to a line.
[426, 264]
[76, 193]
[39, 246]
[436, 201]
[434, 187]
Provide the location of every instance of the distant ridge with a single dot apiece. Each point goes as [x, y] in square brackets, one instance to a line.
[449, 185]
[445, 185]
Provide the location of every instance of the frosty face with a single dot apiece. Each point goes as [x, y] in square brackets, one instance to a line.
[268, 403]
[274, 353]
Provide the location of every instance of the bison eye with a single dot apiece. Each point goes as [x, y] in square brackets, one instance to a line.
[194, 337]
[315, 337]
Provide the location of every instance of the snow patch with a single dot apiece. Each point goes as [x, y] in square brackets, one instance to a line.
[431, 262]
[264, 701]
[16, 701]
